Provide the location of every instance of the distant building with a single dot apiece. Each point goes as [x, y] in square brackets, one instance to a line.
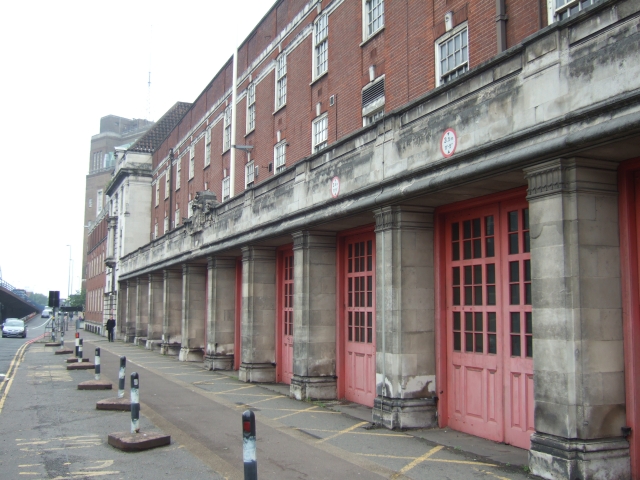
[114, 132]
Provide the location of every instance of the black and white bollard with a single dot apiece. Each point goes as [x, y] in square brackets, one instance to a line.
[135, 403]
[62, 341]
[77, 343]
[80, 351]
[248, 445]
[123, 367]
[96, 363]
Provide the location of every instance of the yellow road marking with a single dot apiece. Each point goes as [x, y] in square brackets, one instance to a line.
[373, 434]
[418, 460]
[493, 475]
[297, 412]
[342, 432]
[462, 462]
[13, 366]
[29, 465]
[260, 401]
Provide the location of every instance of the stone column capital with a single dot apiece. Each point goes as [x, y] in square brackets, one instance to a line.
[171, 273]
[403, 217]
[258, 252]
[221, 262]
[313, 239]
[571, 175]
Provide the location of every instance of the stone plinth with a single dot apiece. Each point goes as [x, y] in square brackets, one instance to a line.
[81, 366]
[137, 442]
[95, 385]
[118, 404]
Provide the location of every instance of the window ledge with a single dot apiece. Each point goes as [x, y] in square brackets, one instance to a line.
[320, 77]
[279, 108]
[373, 35]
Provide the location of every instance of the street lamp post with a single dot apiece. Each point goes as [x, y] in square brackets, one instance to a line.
[69, 275]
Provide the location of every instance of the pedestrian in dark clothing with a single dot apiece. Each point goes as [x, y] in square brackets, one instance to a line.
[111, 324]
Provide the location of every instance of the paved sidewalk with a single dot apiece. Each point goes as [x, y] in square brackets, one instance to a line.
[49, 429]
[340, 429]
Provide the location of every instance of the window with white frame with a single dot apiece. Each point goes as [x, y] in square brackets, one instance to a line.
[320, 130]
[561, 9]
[249, 173]
[226, 188]
[192, 162]
[373, 17]
[321, 45]
[176, 218]
[99, 202]
[452, 55]
[167, 184]
[280, 156]
[226, 140]
[155, 230]
[373, 100]
[251, 107]
[281, 80]
[91, 203]
[207, 147]
[166, 224]
[157, 192]
[178, 172]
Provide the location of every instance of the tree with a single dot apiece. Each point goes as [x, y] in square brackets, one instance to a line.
[77, 299]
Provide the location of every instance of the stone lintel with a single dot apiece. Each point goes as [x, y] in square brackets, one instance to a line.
[557, 458]
[191, 354]
[394, 413]
[257, 373]
[218, 362]
[313, 388]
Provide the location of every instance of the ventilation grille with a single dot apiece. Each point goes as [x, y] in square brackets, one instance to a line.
[373, 93]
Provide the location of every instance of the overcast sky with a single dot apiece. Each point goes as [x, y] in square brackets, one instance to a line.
[64, 65]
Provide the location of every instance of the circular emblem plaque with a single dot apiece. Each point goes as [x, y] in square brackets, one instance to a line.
[335, 187]
[449, 142]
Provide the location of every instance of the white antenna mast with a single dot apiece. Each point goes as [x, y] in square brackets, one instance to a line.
[149, 81]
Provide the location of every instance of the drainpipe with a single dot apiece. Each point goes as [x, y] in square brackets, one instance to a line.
[234, 98]
[501, 25]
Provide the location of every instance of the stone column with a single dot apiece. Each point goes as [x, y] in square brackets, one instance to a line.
[314, 316]
[258, 314]
[132, 310]
[142, 310]
[156, 311]
[221, 313]
[194, 293]
[577, 321]
[121, 311]
[172, 312]
[405, 319]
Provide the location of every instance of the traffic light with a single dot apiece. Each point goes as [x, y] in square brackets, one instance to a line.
[54, 298]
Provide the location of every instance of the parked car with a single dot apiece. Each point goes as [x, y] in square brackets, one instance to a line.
[14, 327]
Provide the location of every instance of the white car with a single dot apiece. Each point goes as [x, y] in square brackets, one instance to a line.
[46, 313]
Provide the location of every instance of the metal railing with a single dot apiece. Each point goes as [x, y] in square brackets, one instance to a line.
[7, 286]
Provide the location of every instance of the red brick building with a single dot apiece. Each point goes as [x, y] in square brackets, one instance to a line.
[414, 206]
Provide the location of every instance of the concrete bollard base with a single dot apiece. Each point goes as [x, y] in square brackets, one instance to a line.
[52, 344]
[119, 404]
[75, 360]
[81, 366]
[137, 442]
[63, 352]
[95, 385]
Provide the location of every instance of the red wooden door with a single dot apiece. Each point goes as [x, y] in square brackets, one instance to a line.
[285, 317]
[488, 280]
[360, 311]
[518, 324]
[237, 348]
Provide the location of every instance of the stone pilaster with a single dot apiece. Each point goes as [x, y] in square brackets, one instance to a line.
[156, 311]
[258, 314]
[142, 310]
[132, 310]
[577, 321]
[221, 313]
[172, 312]
[405, 318]
[194, 280]
[314, 316]
[121, 309]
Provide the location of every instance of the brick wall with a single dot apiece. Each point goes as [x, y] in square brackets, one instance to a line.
[403, 51]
